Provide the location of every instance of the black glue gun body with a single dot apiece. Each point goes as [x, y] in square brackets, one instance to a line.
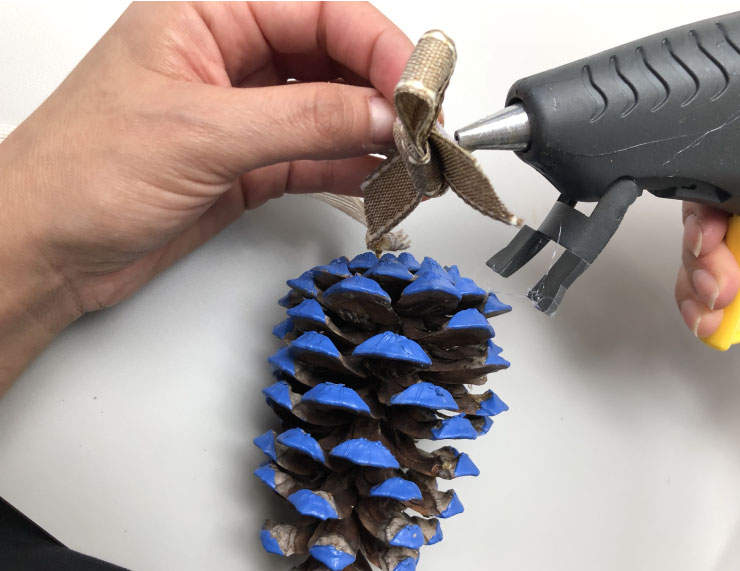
[661, 114]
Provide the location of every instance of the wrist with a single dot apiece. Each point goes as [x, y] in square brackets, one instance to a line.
[35, 301]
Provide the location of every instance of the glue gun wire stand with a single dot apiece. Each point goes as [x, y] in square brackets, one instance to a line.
[661, 114]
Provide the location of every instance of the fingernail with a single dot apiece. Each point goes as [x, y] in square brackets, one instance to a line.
[691, 315]
[382, 116]
[693, 233]
[706, 286]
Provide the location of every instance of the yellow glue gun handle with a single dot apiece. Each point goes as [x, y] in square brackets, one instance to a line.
[728, 332]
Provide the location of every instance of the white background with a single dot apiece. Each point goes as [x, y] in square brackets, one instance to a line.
[130, 437]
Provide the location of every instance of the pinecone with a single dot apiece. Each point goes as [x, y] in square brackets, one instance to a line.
[379, 355]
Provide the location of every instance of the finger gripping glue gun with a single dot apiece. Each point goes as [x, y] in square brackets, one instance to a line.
[661, 114]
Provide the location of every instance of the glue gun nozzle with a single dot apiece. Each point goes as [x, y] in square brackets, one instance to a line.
[507, 129]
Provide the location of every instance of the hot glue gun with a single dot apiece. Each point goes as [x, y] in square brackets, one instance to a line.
[661, 114]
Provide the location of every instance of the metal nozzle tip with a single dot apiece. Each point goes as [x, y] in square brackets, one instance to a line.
[506, 130]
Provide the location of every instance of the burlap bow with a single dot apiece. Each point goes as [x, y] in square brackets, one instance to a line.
[427, 159]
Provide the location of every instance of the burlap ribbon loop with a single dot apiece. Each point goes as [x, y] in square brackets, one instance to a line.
[420, 91]
[428, 160]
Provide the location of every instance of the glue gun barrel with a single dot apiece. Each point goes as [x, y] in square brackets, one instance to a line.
[662, 110]
[506, 130]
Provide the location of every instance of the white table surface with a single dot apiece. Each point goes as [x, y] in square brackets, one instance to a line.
[130, 437]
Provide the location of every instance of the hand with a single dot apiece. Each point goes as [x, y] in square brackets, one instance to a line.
[709, 278]
[181, 117]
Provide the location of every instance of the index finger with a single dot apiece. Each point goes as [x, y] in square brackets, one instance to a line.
[704, 228]
[354, 35]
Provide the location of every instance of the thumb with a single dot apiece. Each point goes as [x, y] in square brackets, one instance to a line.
[248, 128]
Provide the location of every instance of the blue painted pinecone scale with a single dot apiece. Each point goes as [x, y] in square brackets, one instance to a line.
[380, 354]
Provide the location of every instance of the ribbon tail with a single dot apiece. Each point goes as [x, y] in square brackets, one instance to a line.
[468, 181]
[390, 197]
